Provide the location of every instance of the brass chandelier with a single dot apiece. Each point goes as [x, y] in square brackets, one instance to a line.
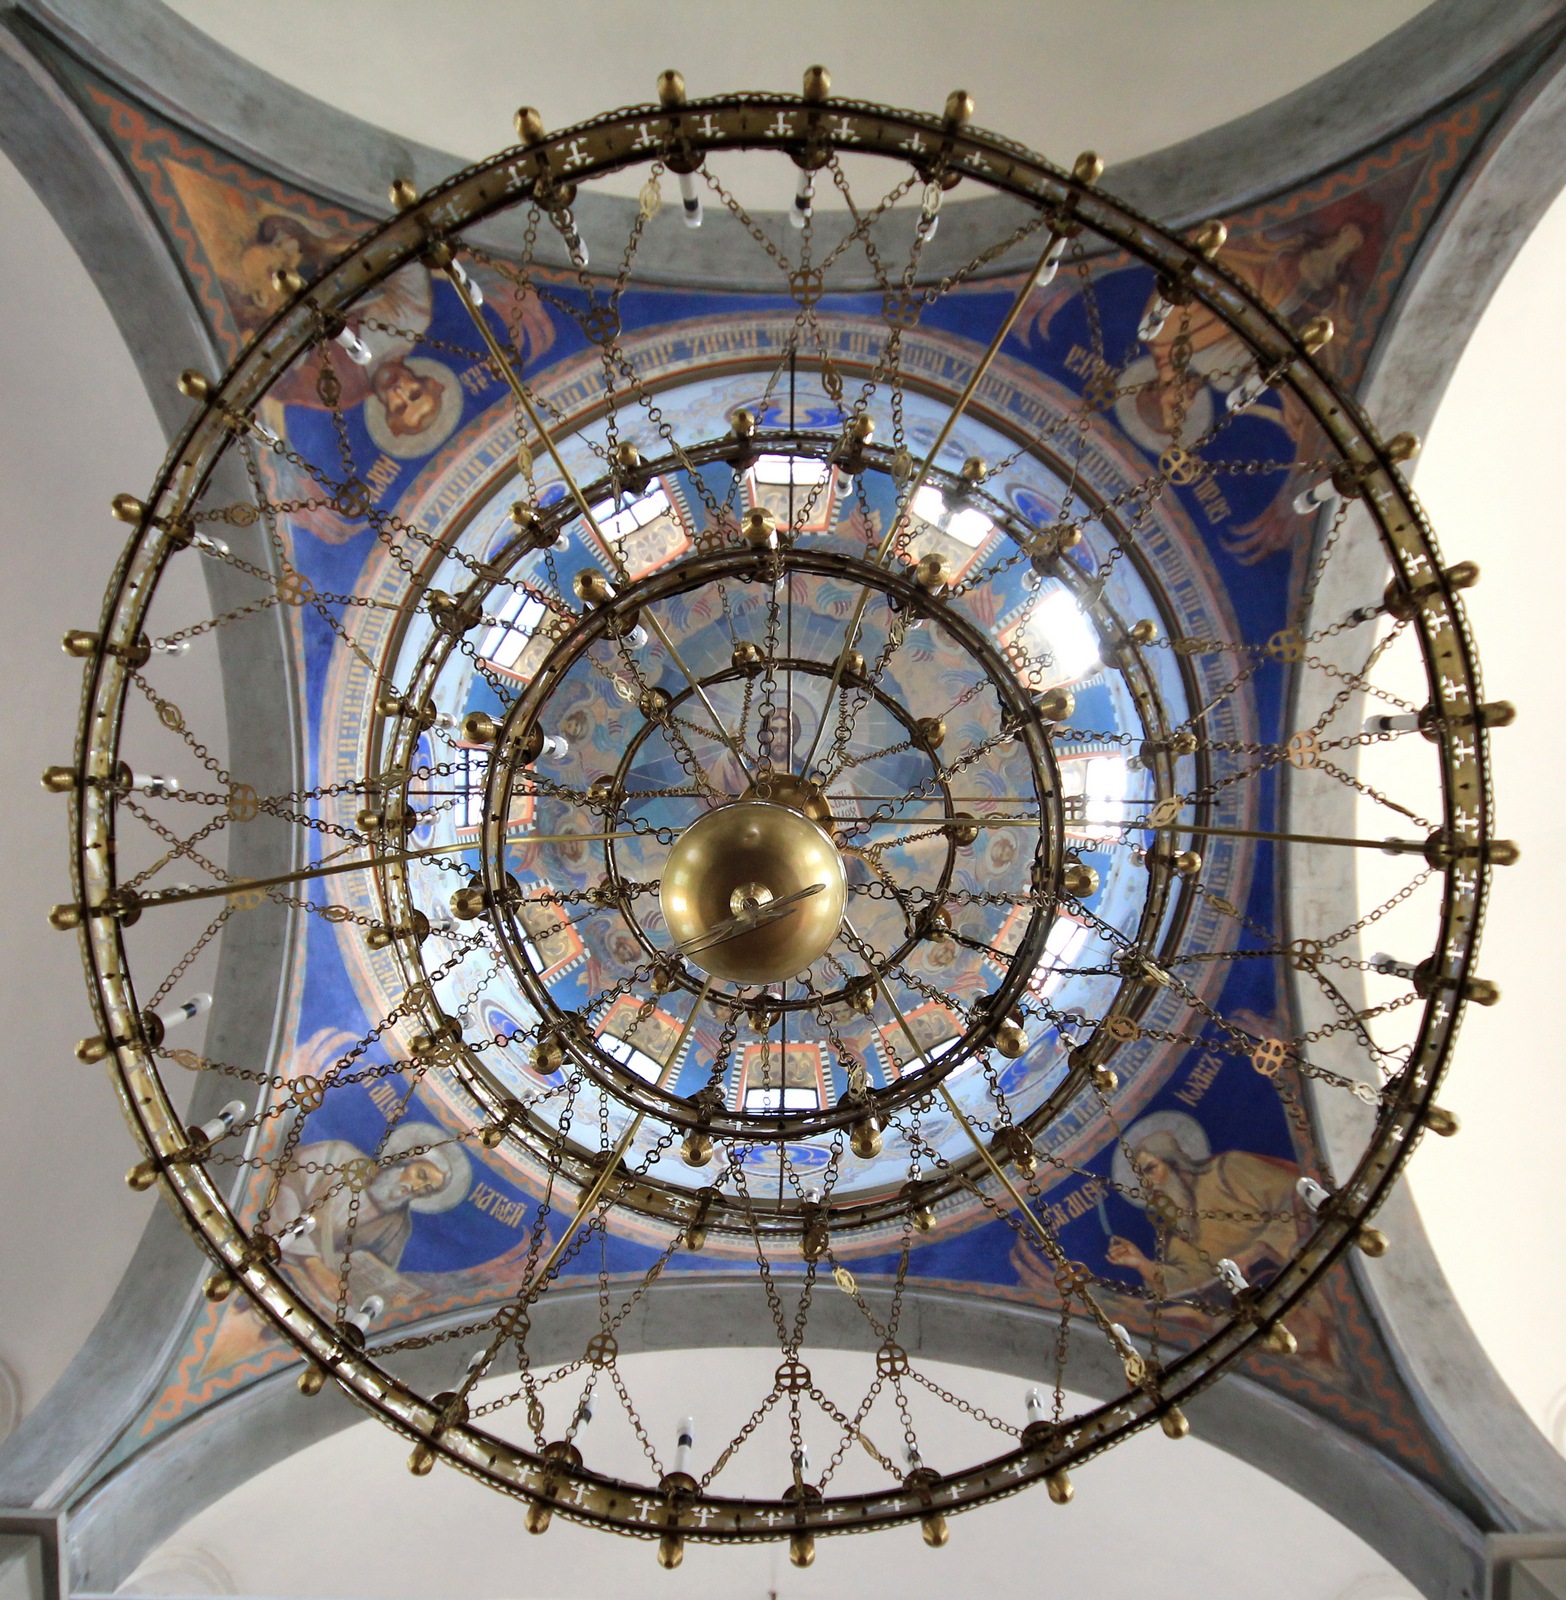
[917, 843]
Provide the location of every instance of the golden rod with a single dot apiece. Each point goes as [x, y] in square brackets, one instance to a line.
[1393, 847]
[508, 372]
[180, 896]
[969, 390]
[601, 1182]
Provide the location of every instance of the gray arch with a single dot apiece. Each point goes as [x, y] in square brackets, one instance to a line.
[1518, 1477]
[224, 1445]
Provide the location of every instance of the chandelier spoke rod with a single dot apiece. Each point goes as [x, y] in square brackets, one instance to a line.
[975, 378]
[304, 874]
[503, 361]
[1392, 847]
[590, 1199]
[1051, 1246]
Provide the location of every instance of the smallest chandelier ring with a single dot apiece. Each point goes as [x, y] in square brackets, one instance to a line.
[762, 841]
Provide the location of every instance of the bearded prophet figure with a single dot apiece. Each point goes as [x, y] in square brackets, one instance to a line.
[379, 1226]
[1235, 1204]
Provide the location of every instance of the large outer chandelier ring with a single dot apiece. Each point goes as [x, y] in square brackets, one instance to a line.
[543, 171]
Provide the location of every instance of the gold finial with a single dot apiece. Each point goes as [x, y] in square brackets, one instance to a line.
[195, 385]
[1317, 334]
[1210, 238]
[1089, 167]
[127, 508]
[402, 194]
[529, 125]
[671, 90]
[959, 107]
[818, 83]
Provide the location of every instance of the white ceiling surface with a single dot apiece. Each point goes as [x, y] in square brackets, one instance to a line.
[1182, 1515]
[1489, 476]
[76, 431]
[1123, 77]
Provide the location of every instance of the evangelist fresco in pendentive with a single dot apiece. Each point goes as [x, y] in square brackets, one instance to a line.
[441, 1222]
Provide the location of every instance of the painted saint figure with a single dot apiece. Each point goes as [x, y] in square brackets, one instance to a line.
[1235, 1205]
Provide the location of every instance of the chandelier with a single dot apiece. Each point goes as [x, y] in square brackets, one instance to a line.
[775, 813]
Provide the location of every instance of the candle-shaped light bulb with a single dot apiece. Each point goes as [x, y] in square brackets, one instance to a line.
[1312, 1193]
[690, 199]
[186, 1011]
[220, 1126]
[1033, 1403]
[804, 199]
[684, 1444]
[469, 283]
[1154, 317]
[158, 786]
[930, 210]
[364, 1318]
[358, 351]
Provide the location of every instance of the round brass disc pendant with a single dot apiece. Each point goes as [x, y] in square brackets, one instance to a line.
[730, 868]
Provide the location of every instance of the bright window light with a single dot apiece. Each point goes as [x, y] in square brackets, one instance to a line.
[782, 1100]
[967, 526]
[515, 623]
[1061, 949]
[616, 524]
[1060, 626]
[628, 1055]
[802, 471]
[1106, 791]
[472, 770]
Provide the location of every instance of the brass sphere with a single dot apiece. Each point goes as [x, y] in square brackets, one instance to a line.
[802, 1548]
[195, 385]
[923, 1219]
[746, 655]
[1106, 1080]
[142, 1176]
[127, 508]
[312, 1380]
[963, 829]
[421, 1461]
[865, 1140]
[1280, 1340]
[478, 727]
[1145, 631]
[671, 88]
[1442, 1122]
[933, 573]
[1373, 1242]
[754, 842]
[671, 1550]
[65, 917]
[1088, 167]
[1010, 1039]
[931, 731]
[1174, 1423]
[529, 125]
[696, 1148]
[818, 83]
[1317, 334]
[760, 527]
[59, 780]
[959, 107]
[219, 1286]
[1080, 882]
[90, 1050]
[1210, 238]
[933, 1525]
[402, 194]
[1055, 705]
[1060, 1486]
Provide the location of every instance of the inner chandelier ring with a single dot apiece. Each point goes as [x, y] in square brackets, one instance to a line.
[579, 959]
[774, 828]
